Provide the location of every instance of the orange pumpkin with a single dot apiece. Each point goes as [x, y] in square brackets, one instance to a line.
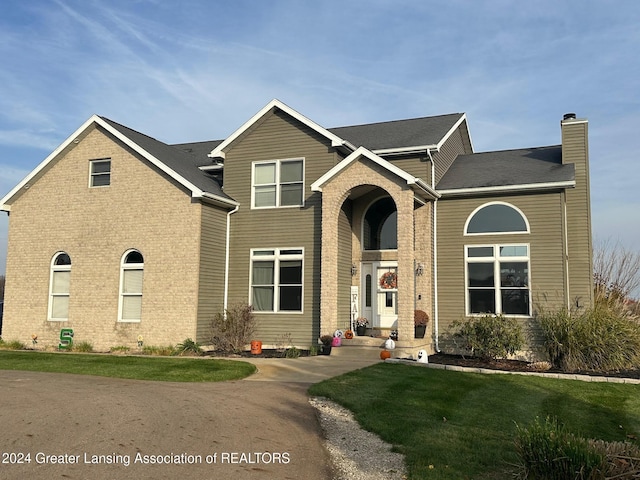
[384, 354]
[348, 334]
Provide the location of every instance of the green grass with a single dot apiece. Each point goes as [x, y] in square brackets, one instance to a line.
[454, 425]
[139, 368]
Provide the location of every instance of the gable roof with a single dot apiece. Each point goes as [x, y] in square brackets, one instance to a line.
[521, 169]
[417, 184]
[176, 163]
[402, 135]
[219, 151]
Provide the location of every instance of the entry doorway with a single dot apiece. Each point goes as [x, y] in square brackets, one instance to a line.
[379, 294]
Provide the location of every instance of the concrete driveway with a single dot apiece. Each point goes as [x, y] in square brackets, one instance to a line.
[82, 427]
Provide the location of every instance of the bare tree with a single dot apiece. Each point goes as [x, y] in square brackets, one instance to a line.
[616, 271]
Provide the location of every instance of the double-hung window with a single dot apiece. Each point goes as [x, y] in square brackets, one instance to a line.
[131, 276]
[276, 280]
[59, 287]
[278, 183]
[498, 279]
[100, 173]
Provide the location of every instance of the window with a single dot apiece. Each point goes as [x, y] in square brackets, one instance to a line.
[131, 274]
[496, 217]
[278, 183]
[276, 280]
[59, 287]
[380, 227]
[100, 173]
[498, 279]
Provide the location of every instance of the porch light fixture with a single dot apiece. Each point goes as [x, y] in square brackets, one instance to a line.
[419, 269]
[354, 269]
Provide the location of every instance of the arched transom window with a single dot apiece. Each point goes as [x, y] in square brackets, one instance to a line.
[496, 217]
[380, 226]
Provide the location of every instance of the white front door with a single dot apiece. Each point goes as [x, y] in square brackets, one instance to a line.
[379, 294]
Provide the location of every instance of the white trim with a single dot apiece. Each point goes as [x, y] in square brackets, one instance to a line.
[488, 204]
[496, 258]
[277, 183]
[73, 140]
[336, 141]
[52, 270]
[364, 152]
[507, 188]
[453, 129]
[276, 257]
[92, 174]
[129, 266]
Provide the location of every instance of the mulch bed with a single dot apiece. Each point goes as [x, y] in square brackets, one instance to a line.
[516, 366]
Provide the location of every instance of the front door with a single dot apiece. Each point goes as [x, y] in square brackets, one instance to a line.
[380, 294]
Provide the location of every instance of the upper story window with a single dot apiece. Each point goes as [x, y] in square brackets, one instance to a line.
[100, 173]
[278, 183]
[131, 275]
[380, 226]
[496, 217]
[59, 287]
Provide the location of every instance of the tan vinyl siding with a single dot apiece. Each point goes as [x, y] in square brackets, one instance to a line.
[212, 263]
[278, 137]
[416, 165]
[344, 262]
[575, 150]
[454, 146]
[544, 213]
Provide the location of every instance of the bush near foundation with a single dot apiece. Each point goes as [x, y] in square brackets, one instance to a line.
[489, 336]
[601, 339]
[233, 331]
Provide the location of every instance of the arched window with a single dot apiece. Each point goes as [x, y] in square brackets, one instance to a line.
[131, 274]
[496, 217]
[59, 287]
[380, 226]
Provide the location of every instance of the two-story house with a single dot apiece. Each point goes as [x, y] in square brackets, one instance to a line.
[119, 236]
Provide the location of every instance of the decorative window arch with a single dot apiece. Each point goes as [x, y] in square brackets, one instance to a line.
[496, 218]
[59, 287]
[380, 225]
[131, 276]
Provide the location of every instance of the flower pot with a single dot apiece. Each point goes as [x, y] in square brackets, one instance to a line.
[361, 331]
[420, 330]
[325, 350]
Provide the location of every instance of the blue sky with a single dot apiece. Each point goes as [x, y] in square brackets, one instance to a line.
[197, 69]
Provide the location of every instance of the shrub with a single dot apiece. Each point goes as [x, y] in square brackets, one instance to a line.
[84, 347]
[548, 451]
[188, 347]
[292, 352]
[12, 345]
[120, 349]
[420, 317]
[158, 351]
[231, 331]
[489, 336]
[596, 339]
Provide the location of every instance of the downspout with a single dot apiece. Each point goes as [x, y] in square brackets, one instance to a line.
[434, 252]
[225, 300]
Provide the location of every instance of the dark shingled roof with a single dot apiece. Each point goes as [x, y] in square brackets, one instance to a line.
[414, 132]
[200, 150]
[508, 167]
[177, 159]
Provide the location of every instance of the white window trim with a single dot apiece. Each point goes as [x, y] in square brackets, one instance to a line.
[466, 224]
[129, 266]
[92, 175]
[496, 258]
[276, 257]
[57, 268]
[278, 163]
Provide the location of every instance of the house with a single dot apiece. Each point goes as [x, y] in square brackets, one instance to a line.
[121, 237]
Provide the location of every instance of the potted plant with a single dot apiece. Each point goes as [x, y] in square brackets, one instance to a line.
[420, 320]
[361, 326]
[325, 348]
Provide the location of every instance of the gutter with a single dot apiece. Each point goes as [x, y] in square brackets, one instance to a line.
[225, 301]
[434, 251]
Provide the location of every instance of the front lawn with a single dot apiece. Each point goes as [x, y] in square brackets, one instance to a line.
[454, 425]
[140, 368]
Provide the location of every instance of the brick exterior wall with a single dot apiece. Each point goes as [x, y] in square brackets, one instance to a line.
[142, 209]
